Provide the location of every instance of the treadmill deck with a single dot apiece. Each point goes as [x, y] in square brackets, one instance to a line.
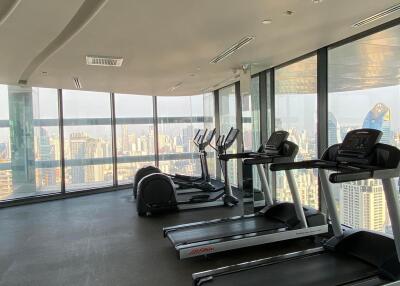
[224, 229]
[321, 269]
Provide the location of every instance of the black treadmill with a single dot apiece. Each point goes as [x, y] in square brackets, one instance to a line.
[351, 257]
[276, 222]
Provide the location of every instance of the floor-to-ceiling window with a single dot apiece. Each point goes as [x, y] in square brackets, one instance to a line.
[227, 118]
[364, 92]
[134, 134]
[251, 117]
[209, 123]
[296, 112]
[87, 139]
[29, 142]
[179, 117]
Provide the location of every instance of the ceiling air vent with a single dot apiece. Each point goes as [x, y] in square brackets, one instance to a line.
[77, 83]
[104, 61]
[377, 16]
[243, 42]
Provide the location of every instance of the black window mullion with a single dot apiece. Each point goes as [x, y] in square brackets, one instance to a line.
[114, 140]
[61, 132]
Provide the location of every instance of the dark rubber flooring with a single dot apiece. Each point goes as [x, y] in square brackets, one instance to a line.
[100, 240]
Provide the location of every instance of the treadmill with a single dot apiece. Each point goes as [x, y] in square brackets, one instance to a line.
[351, 256]
[269, 148]
[276, 222]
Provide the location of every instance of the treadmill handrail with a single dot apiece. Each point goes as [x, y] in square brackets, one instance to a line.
[309, 164]
[341, 177]
[316, 164]
[265, 159]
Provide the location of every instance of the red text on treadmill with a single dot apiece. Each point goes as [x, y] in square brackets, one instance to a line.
[202, 250]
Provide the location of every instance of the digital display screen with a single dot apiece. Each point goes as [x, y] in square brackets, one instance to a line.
[360, 141]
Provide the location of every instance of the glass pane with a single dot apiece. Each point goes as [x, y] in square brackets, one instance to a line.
[295, 112]
[251, 117]
[227, 117]
[135, 134]
[29, 142]
[179, 118]
[87, 133]
[365, 74]
[209, 123]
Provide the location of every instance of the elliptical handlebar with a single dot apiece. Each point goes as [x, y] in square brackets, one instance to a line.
[225, 141]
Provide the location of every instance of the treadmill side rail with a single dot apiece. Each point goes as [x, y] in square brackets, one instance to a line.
[200, 278]
[219, 245]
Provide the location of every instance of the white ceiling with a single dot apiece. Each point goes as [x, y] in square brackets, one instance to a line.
[167, 42]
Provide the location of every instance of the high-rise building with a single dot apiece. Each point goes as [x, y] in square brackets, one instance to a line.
[45, 153]
[78, 146]
[379, 118]
[364, 205]
[334, 135]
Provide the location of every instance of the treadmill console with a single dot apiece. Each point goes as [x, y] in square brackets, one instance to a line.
[274, 143]
[358, 144]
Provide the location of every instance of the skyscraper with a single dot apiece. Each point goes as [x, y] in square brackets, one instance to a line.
[78, 145]
[46, 153]
[379, 118]
[334, 136]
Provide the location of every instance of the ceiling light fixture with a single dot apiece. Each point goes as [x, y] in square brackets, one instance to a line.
[104, 61]
[377, 16]
[317, 1]
[289, 13]
[77, 83]
[243, 42]
[266, 21]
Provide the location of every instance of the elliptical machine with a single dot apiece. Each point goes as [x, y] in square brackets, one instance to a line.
[183, 182]
[156, 192]
[201, 140]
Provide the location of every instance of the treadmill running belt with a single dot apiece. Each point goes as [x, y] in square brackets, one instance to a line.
[322, 269]
[224, 229]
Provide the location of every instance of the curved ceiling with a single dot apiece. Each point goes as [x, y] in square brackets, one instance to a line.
[164, 43]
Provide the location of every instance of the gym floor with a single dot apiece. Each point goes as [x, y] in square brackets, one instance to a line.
[100, 240]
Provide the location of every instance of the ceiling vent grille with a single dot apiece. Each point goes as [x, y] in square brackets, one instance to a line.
[77, 83]
[377, 16]
[243, 42]
[104, 61]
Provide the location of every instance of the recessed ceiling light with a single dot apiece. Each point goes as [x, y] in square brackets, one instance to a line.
[44, 73]
[266, 21]
[317, 1]
[289, 13]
